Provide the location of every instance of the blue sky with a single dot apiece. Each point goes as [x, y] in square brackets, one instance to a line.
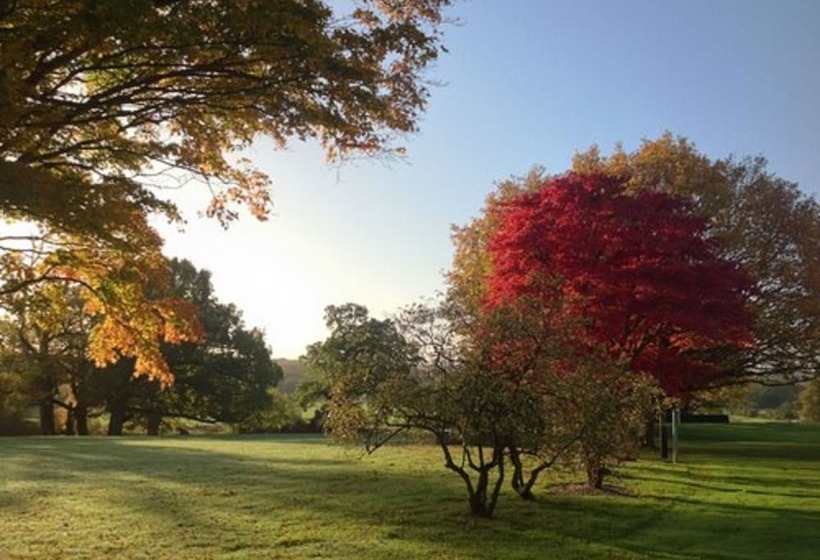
[525, 82]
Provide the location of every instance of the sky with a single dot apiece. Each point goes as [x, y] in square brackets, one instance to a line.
[525, 82]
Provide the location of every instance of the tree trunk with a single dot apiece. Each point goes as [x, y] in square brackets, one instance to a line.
[595, 475]
[478, 499]
[153, 423]
[522, 488]
[479, 506]
[664, 441]
[81, 418]
[484, 496]
[47, 427]
[81, 406]
[117, 419]
[650, 431]
[483, 499]
[70, 422]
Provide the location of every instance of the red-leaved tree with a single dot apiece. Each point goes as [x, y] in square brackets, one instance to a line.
[636, 273]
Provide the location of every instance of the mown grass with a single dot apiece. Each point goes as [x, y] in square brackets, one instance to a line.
[739, 492]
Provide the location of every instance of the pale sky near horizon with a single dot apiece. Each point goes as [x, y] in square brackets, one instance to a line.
[525, 82]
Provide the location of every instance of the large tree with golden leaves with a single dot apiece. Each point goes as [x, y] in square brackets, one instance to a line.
[763, 222]
[104, 103]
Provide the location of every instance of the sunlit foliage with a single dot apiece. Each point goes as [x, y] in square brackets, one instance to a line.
[105, 104]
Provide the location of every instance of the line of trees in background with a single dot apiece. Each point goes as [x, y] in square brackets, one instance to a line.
[579, 306]
[226, 375]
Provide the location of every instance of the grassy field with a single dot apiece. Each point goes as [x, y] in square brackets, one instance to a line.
[739, 492]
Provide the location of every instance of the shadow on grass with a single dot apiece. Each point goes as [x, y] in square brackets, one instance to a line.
[221, 485]
[781, 483]
[771, 433]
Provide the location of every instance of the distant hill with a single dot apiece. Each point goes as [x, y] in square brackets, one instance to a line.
[293, 374]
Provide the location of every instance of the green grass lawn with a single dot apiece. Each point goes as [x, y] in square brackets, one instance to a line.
[739, 491]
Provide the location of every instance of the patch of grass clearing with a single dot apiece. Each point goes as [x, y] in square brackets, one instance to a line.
[739, 492]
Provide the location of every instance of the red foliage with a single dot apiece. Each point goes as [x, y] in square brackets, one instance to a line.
[637, 271]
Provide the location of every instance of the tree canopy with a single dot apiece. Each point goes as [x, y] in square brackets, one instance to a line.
[759, 220]
[764, 223]
[384, 378]
[96, 95]
[225, 375]
[114, 286]
[105, 104]
[637, 271]
[493, 391]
